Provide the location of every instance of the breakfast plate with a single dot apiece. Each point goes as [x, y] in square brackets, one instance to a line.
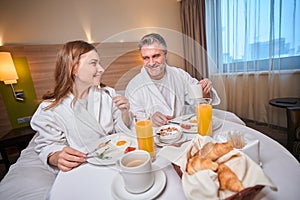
[190, 125]
[109, 154]
[119, 191]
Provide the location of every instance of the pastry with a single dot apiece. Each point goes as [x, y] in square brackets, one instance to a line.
[196, 164]
[228, 179]
[216, 151]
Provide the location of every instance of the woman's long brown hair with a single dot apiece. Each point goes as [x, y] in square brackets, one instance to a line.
[66, 62]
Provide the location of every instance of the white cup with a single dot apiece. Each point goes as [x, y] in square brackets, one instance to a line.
[195, 91]
[136, 170]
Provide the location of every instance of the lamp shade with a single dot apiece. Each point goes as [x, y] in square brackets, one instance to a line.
[8, 72]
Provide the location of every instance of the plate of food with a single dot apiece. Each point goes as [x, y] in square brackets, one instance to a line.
[168, 134]
[108, 154]
[188, 123]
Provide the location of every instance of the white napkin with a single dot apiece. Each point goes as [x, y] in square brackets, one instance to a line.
[252, 150]
[204, 184]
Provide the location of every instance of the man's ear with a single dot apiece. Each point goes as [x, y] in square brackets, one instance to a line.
[166, 54]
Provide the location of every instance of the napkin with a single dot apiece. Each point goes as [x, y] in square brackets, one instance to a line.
[252, 150]
[204, 184]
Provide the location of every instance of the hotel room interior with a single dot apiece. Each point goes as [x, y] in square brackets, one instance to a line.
[33, 31]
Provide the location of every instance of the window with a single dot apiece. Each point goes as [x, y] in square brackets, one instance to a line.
[255, 31]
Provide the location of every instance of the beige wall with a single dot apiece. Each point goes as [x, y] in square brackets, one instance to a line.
[58, 21]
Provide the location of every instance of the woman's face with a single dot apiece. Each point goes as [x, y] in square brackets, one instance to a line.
[154, 60]
[89, 70]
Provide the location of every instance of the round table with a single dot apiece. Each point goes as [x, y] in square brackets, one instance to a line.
[285, 102]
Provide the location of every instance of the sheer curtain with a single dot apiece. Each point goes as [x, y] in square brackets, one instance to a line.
[255, 48]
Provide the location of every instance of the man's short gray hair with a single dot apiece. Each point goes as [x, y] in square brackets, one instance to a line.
[152, 38]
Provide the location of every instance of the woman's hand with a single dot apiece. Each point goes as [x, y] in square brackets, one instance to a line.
[122, 103]
[67, 159]
[206, 87]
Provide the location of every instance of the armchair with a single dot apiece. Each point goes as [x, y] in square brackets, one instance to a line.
[293, 126]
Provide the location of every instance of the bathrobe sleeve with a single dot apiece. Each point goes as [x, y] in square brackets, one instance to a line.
[50, 128]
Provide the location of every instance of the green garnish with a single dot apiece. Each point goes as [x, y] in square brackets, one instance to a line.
[102, 155]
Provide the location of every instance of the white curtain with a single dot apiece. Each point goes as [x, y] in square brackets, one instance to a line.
[254, 53]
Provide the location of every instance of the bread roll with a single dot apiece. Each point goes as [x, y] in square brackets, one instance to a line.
[228, 179]
[216, 151]
[196, 164]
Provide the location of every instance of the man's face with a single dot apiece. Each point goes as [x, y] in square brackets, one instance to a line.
[154, 60]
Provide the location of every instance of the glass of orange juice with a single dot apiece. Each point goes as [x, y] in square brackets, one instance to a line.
[144, 133]
[204, 116]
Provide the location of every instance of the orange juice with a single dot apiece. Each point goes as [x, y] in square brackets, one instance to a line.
[204, 119]
[145, 136]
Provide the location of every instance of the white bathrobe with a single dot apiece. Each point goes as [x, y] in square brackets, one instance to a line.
[144, 96]
[74, 125]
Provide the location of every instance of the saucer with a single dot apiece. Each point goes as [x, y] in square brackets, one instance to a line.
[119, 191]
[162, 144]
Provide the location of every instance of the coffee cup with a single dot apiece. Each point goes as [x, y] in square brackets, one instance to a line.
[136, 170]
[195, 91]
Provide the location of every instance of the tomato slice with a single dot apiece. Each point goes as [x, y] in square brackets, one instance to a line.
[128, 149]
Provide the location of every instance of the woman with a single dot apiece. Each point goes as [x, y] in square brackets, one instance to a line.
[78, 112]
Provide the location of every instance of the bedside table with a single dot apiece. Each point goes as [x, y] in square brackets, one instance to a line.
[19, 137]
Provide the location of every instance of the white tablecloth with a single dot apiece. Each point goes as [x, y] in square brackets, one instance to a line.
[94, 182]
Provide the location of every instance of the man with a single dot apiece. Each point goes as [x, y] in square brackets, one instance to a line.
[159, 89]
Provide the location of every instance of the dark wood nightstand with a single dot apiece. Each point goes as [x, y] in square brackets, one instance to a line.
[19, 137]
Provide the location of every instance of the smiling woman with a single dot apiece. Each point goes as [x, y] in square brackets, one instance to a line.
[73, 117]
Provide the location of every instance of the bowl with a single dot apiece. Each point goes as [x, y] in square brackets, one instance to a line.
[169, 133]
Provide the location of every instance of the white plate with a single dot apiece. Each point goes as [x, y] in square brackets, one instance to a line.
[216, 123]
[161, 144]
[111, 153]
[119, 191]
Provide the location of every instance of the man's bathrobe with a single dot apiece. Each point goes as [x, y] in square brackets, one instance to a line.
[144, 96]
[76, 125]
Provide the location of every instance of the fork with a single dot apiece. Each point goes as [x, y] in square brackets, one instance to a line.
[99, 147]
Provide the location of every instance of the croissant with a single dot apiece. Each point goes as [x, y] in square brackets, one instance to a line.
[217, 150]
[196, 163]
[228, 179]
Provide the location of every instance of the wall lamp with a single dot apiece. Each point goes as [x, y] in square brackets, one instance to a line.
[9, 75]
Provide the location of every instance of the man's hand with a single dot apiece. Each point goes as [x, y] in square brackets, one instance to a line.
[206, 87]
[159, 119]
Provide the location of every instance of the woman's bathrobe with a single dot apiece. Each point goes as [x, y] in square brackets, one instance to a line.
[144, 95]
[31, 177]
[78, 125]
